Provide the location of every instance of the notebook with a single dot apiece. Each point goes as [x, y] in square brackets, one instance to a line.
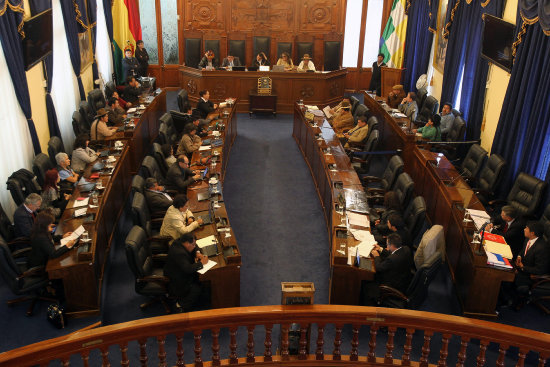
[203, 196]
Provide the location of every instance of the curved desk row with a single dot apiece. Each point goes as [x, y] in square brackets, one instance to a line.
[318, 88]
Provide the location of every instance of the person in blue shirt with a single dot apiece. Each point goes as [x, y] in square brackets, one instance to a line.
[66, 174]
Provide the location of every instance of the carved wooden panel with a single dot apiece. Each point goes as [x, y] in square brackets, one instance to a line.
[204, 14]
[262, 15]
[319, 15]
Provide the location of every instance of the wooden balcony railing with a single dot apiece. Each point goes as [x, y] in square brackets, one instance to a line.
[354, 333]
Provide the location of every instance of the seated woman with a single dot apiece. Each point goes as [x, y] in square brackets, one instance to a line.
[82, 154]
[261, 60]
[189, 142]
[168, 152]
[286, 61]
[391, 206]
[431, 130]
[42, 242]
[306, 64]
[68, 176]
[51, 199]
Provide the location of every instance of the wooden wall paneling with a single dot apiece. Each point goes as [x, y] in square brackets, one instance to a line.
[171, 76]
[204, 14]
[181, 43]
[160, 78]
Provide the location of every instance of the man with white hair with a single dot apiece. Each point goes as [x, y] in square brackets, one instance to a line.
[24, 215]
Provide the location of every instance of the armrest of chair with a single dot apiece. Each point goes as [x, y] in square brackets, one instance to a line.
[387, 291]
[375, 199]
[374, 191]
[497, 202]
[159, 238]
[159, 279]
[539, 279]
[369, 179]
[37, 270]
[21, 252]
[178, 116]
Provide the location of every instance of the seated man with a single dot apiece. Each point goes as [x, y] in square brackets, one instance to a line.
[179, 176]
[200, 124]
[408, 106]
[132, 91]
[99, 129]
[357, 134]
[511, 227]
[344, 102]
[395, 224]
[182, 263]
[157, 200]
[183, 118]
[447, 118]
[396, 95]
[25, 214]
[178, 220]
[231, 61]
[115, 112]
[393, 268]
[208, 61]
[343, 119]
[204, 105]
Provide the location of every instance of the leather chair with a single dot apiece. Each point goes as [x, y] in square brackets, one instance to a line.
[354, 103]
[429, 108]
[237, 48]
[474, 160]
[404, 187]
[150, 168]
[141, 216]
[332, 55]
[193, 52]
[393, 169]
[525, 195]
[373, 124]
[414, 216]
[457, 131]
[80, 126]
[22, 183]
[214, 45]
[545, 220]
[96, 100]
[138, 185]
[371, 144]
[539, 294]
[433, 240]
[87, 114]
[284, 47]
[489, 178]
[40, 164]
[7, 233]
[165, 136]
[261, 44]
[55, 145]
[160, 158]
[183, 99]
[110, 88]
[27, 283]
[303, 48]
[361, 110]
[418, 289]
[169, 121]
[456, 134]
[147, 268]
[421, 95]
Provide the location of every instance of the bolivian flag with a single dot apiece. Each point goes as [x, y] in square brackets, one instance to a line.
[392, 43]
[126, 31]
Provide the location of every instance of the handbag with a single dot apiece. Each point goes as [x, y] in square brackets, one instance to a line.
[56, 316]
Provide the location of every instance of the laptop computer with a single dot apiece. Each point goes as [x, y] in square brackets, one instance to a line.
[278, 68]
[206, 142]
[104, 153]
[252, 68]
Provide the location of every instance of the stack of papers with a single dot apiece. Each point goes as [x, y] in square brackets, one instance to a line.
[480, 217]
[73, 236]
[498, 261]
[209, 265]
[206, 241]
[80, 212]
[497, 248]
[326, 110]
[80, 202]
[360, 220]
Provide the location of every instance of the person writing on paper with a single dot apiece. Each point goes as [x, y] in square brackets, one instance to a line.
[51, 199]
[396, 95]
[42, 241]
[357, 134]
[68, 176]
[393, 265]
[183, 261]
[306, 64]
[208, 61]
[261, 60]
[431, 130]
[189, 142]
[180, 176]
[205, 105]
[178, 219]
[286, 61]
[408, 106]
[99, 129]
[376, 78]
[510, 225]
[230, 61]
[82, 154]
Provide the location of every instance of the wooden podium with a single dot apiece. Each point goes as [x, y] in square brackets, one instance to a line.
[390, 77]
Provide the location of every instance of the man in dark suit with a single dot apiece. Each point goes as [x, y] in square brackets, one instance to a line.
[511, 227]
[204, 105]
[179, 176]
[157, 200]
[396, 225]
[376, 78]
[132, 91]
[533, 259]
[23, 218]
[231, 61]
[182, 263]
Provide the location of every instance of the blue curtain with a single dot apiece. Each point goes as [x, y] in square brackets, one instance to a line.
[92, 19]
[108, 17]
[418, 43]
[38, 6]
[71, 31]
[13, 52]
[53, 124]
[464, 27]
[523, 132]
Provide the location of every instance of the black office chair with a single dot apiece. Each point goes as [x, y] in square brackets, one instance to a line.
[55, 145]
[166, 135]
[421, 95]
[22, 183]
[183, 99]
[110, 88]
[87, 114]
[414, 216]
[150, 168]
[354, 103]
[7, 233]
[373, 124]
[138, 185]
[141, 216]
[472, 163]
[404, 187]
[429, 108]
[147, 268]
[40, 164]
[525, 195]
[363, 157]
[418, 289]
[393, 169]
[96, 100]
[539, 294]
[489, 178]
[456, 134]
[361, 110]
[80, 126]
[27, 283]
[160, 158]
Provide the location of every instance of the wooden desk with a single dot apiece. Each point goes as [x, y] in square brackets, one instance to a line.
[319, 88]
[82, 280]
[446, 195]
[332, 172]
[262, 103]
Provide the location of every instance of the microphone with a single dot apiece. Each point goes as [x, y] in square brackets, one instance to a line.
[482, 229]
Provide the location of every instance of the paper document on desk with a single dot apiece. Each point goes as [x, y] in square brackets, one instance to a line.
[399, 115]
[206, 241]
[80, 212]
[361, 235]
[131, 110]
[81, 202]
[502, 249]
[205, 147]
[360, 220]
[326, 110]
[209, 265]
[73, 236]
[365, 248]
[480, 217]
[313, 108]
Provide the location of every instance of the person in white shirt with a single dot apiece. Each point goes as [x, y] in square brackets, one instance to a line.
[306, 64]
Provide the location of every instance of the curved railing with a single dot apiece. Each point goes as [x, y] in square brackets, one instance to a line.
[410, 335]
